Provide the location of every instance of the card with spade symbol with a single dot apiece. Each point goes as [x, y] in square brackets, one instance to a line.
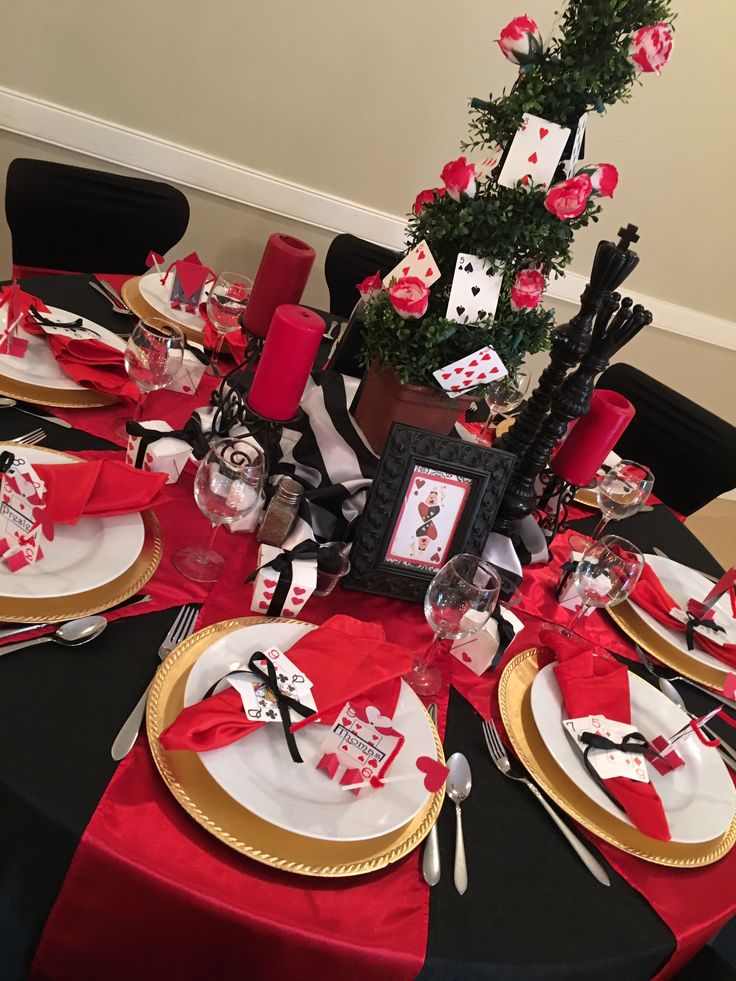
[474, 291]
[534, 153]
[419, 262]
[480, 368]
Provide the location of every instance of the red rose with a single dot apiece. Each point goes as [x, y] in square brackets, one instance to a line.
[409, 297]
[458, 177]
[427, 197]
[569, 198]
[521, 41]
[526, 293]
[370, 286]
[603, 177]
[650, 48]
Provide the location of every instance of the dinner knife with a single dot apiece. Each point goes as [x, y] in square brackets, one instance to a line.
[431, 857]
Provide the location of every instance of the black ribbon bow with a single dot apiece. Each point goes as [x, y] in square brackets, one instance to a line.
[505, 635]
[633, 742]
[693, 622]
[39, 318]
[567, 570]
[284, 703]
[191, 434]
[282, 566]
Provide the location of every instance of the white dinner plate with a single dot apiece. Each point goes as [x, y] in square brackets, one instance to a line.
[38, 366]
[683, 584]
[698, 798]
[158, 297]
[83, 556]
[258, 772]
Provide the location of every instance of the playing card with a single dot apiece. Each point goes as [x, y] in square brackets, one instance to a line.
[576, 146]
[488, 164]
[534, 153]
[609, 763]
[356, 749]
[480, 368]
[259, 703]
[474, 291]
[286, 670]
[419, 262]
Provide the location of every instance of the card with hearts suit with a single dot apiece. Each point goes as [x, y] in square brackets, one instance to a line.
[480, 368]
[419, 262]
[534, 153]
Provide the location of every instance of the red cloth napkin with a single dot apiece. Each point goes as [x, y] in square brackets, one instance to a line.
[343, 658]
[87, 361]
[651, 596]
[598, 685]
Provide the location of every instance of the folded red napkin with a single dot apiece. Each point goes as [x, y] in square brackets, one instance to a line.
[599, 685]
[651, 596]
[87, 361]
[343, 658]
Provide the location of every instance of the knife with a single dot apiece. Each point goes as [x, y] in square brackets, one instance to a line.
[431, 857]
[705, 575]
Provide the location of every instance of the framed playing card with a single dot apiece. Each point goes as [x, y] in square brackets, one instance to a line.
[534, 153]
[476, 285]
[432, 497]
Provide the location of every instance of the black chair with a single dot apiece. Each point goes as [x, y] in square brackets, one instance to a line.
[690, 451]
[72, 219]
[348, 261]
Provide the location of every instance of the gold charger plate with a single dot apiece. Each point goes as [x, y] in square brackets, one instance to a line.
[514, 697]
[204, 800]
[53, 609]
[587, 497]
[59, 398]
[627, 618]
[131, 293]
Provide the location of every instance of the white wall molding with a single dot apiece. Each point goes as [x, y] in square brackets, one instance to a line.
[113, 143]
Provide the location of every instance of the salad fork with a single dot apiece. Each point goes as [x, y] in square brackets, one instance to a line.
[30, 439]
[500, 758]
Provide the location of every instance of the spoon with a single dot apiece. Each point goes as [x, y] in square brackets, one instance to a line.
[7, 403]
[74, 633]
[459, 783]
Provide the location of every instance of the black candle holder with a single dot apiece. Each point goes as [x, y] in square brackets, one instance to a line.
[563, 494]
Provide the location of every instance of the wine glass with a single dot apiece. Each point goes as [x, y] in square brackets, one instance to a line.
[606, 573]
[227, 486]
[153, 356]
[458, 603]
[622, 492]
[225, 308]
[502, 397]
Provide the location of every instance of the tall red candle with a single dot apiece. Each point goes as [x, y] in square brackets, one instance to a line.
[282, 275]
[592, 437]
[288, 356]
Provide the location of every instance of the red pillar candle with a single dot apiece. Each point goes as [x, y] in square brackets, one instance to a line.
[287, 359]
[282, 275]
[592, 437]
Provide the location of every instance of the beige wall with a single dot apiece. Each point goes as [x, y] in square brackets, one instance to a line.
[369, 103]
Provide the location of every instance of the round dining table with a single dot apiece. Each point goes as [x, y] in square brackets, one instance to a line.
[531, 910]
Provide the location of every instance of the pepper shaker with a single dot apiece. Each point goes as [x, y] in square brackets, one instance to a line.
[281, 513]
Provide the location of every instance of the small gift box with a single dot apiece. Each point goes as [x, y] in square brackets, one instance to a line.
[479, 651]
[188, 377]
[159, 454]
[568, 593]
[22, 501]
[361, 745]
[284, 580]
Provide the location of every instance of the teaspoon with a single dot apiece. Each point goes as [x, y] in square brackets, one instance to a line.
[71, 634]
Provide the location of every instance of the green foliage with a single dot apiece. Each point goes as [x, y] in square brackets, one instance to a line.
[584, 67]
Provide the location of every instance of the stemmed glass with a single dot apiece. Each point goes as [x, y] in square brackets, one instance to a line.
[502, 397]
[153, 356]
[458, 603]
[606, 573]
[621, 492]
[225, 308]
[227, 487]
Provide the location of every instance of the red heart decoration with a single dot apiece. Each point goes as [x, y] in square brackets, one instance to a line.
[420, 482]
[458, 370]
[436, 557]
[373, 763]
[428, 273]
[405, 270]
[436, 773]
[270, 582]
[299, 590]
[482, 374]
[268, 595]
[186, 388]
[494, 371]
[149, 457]
[455, 388]
[344, 748]
[361, 759]
[358, 726]
[533, 158]
[296, 601]
[345, 722]
[263, 606]
[466, 657]
[473, 364]
[486, 357]
[468, 373]
[542, 132]
[447, 374]
[422, 255]
[289, 613]
[374, 737]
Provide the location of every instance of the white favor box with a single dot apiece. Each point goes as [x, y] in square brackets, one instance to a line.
[166, 455]
[478, 650]
[189, 376]
[303, 583]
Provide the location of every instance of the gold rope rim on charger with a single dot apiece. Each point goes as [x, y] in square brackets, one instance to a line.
[627, 618]
[58, 398]
[514, 697]
[51, 609]
[133, 297]
[231, 823]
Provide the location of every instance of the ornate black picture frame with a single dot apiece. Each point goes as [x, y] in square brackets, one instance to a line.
[432, 497]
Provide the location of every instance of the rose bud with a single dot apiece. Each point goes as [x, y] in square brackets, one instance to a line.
[526, 293]
[409, 297]
[651, 47]
[569, 198]
[370, 286]
[427, 197]
[459, 177]
[521, 41]
[603, 177]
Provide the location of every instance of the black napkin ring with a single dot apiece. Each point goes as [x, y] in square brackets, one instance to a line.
[693, 622]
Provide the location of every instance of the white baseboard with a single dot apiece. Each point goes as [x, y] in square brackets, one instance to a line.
[113, 143]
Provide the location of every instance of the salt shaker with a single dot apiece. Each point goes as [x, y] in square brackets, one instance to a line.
[281, 513]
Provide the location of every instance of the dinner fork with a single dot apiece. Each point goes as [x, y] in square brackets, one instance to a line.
[500, 758]
[30, 439]
[179, 630]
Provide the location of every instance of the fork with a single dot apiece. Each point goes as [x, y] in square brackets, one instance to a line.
[116, 301]
[500, 758]
[30, 439]
[180, 629]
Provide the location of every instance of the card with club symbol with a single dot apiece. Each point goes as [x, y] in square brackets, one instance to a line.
[474, 291]
[534, 152]
[259, 703]
[419, 262]
[576, 146]
[476, 369]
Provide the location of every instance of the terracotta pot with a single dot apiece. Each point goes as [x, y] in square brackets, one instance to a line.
[384, 400]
